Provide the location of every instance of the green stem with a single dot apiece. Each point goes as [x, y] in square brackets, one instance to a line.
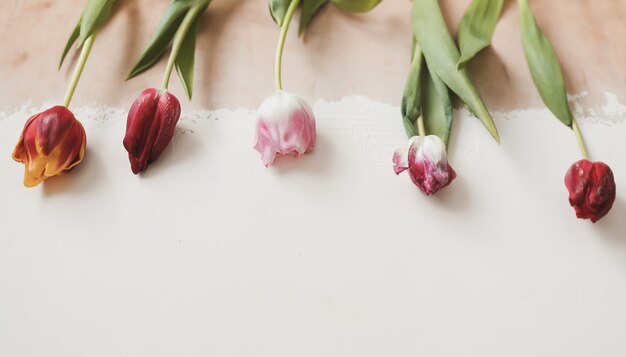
[181, 33]
[579, 138]
[420, 126]
[281, 41]
[78, 70]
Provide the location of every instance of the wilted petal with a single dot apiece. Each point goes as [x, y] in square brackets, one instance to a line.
[591, 187]
[427, 164]
[51, 142]
[285, 126]
[150, 127]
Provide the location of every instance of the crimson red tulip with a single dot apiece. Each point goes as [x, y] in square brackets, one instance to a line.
[150, 127]
[591, 187]
[51, 143]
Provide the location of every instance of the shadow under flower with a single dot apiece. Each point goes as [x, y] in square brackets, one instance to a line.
[318, 162]
[455, 197]
[81, 178]
[613, 226]
[184, 145]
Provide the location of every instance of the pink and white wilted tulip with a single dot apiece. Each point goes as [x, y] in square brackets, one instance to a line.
[427, 162]
[285, 125]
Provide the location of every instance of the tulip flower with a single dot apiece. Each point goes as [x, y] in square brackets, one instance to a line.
[153, 116]
[427, 162]
[285, 126]
[150, 127]
[51, 143]
[285, 122]
[591, 189]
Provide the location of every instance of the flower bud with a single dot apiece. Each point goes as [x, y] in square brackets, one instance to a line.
[52, 142]
[285, 126]
[426, 160]
[591, 189]
[150, 127]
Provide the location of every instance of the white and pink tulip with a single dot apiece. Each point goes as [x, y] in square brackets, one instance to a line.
[427, 162]
[285, 126]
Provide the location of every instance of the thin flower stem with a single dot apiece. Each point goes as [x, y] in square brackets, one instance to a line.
[78, 70]
[181, 33]
[420, 126]
[581, 140]
[281, 41]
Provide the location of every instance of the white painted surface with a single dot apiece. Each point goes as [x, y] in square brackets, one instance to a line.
[211, 254]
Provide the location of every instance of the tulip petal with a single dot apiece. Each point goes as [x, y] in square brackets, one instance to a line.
[150, 127]
[285, 126]
[591, 187]
[51, 143]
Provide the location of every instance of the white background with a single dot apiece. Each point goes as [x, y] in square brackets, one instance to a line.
[211, 254]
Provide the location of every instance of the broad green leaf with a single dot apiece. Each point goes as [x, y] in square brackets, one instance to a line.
[185, 59]
[436, 106]
[410, 106]
[309, 9]
[442, 56]
[278, 10]
[162, 37]
[96, 13]
[544, 66]
[476, 28]
[356, 5]
[70, 42]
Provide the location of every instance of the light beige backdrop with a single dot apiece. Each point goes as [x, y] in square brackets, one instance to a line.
[341, 53]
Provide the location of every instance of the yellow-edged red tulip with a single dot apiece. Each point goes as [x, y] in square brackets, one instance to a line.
[51, 143]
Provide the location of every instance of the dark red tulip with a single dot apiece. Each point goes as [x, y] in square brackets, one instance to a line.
[51, 143]
[591, 189]
[150, 127]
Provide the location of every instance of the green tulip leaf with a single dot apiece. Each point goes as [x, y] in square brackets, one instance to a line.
[70, 42]
[442, 55]
[410, 106]
[476, 28]
[278, 10]
[356, 5]
[185, 59]
[309, 10]
[436, 106]
[163, 36]
[544, 66]
[96, 13]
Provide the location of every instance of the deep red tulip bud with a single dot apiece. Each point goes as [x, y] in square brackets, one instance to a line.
[150, 127]
[51, 143]
[591, 189]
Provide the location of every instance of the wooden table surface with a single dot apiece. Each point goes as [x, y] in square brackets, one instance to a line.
[341, 53]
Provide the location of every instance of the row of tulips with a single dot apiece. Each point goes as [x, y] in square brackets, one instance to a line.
[54, 141]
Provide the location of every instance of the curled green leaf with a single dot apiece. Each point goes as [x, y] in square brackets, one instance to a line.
[356, 5]
[442, 56]
[162, 37]
[476, 28]
[309, 10]
[186, 58]
[436, 106]
[96, 13]
[278, 10]
[70, 42]
[410, 106]
[544, 66]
